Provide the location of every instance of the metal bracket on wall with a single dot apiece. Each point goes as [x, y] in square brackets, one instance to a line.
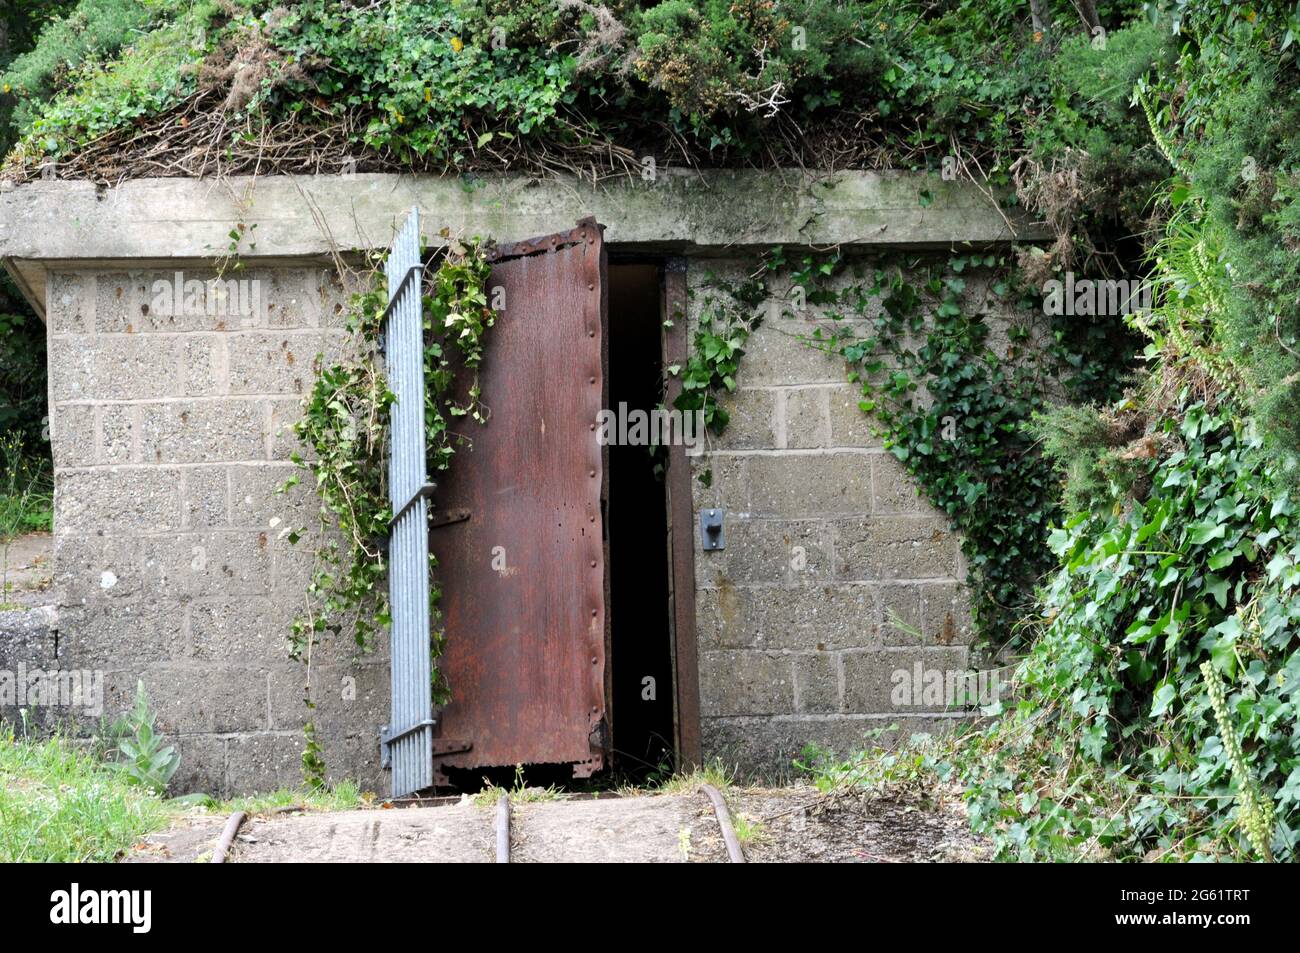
[447, 517]
[711, 535]
[423, 492]
[386, 738]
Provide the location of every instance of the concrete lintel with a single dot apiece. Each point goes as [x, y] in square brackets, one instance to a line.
[683, 211]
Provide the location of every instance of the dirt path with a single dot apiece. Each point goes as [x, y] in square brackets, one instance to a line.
[794, 824]
[801, 825]
[25, 570]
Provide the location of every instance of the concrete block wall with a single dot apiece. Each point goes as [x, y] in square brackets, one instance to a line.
[837, 573]
[169, 436]
[170, 441]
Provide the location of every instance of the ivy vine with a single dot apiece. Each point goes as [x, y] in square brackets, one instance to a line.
[952, 409]
[944, 402]
[717, 345]
[344, 425]
[727, 317]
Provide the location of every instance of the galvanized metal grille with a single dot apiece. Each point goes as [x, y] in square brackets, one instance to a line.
[408, 738]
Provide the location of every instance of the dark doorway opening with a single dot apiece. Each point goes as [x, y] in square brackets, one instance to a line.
[641, 657]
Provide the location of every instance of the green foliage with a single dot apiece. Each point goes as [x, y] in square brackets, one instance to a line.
[425, 75]
[1227, 116]
[71, 87]
[727, 317]
[1202, 571]
[1092, 165]
[22, 369]
[1256, 813]
[343, 796]
[20, 24]
[953, 408]
[344, 425]
[468, 83]
[1091, 450]
[688, 51]
[313, 758]
[458, 320]
[26, 491]
[143, 759]
[88, 33]
[60, 804]
[26, 475]
[1156, 707]
[1154, 715]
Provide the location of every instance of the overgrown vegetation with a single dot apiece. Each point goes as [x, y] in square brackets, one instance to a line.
[588, 87]
[1156, 710]
[26, 480]
[344, 428]
[1199, 567]
[951, 402]
[61, 804]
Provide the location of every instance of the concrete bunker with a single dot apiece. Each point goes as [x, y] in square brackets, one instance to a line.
[169, 437]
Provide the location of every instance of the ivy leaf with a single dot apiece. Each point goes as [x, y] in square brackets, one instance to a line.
[1201, 533]
[1163, 698]
[1217, 587]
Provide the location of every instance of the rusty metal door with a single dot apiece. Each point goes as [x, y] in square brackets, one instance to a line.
[518, 525]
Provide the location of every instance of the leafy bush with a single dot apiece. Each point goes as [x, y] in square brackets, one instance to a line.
[20, 24]
[1227, 116]
[440, 81]
[426, 75]
[88, 33]
[1093, 451]
[1156, 710]
[1203, 570]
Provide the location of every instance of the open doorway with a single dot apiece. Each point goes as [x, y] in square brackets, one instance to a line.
[641, 659]
[564, 654]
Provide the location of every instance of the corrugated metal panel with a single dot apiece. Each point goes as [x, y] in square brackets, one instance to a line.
[408, 737]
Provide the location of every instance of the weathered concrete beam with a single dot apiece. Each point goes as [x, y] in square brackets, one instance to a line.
[47, 224]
